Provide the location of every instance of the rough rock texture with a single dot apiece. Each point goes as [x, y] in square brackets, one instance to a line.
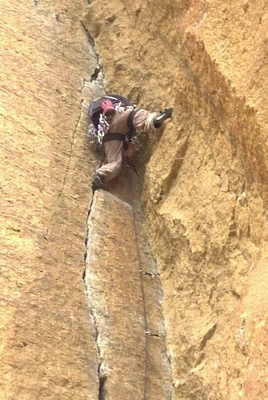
[205, 189]
[48, 347]
[125, 296]
[204, 196]
[52, 336]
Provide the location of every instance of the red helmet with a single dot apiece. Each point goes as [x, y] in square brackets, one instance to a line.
[107, 106]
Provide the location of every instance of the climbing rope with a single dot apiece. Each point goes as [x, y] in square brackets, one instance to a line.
[143, 303]
[146, 331]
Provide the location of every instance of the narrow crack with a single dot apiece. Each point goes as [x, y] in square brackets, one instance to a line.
[102, 376]
[89, 37]
[72, 146]
[151, 274]
[155, 334]
[84, 84]
[102, 379]
[93, 77]
[91, 41]
[95, 74]
[101, 370]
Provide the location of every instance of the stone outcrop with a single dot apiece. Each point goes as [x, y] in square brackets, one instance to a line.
[205, 185]
[48, 347]
[125, 295]
[203, 188]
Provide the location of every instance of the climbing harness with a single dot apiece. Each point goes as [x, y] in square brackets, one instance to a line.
[98, 125]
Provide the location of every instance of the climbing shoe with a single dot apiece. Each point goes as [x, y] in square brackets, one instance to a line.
[162, 116]
[98, 182]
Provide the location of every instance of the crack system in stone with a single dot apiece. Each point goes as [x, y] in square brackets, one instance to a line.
[72, 145]
[101, 373]
[91, 41]
[102, 370]
[102, 379]
[94, 77]
[95, 74]
[90, 38]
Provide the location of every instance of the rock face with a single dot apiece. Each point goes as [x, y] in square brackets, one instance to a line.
[48, 347]
[124, 295]
[203, 189]
[205, 186]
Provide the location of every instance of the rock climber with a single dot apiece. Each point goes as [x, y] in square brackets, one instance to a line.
[117, 123]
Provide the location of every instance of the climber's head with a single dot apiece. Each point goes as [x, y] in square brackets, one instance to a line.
[107, 108]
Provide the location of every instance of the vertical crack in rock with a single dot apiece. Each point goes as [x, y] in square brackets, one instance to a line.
[155, 377]
[101, 373]
[95, 74]
[102, 380]
[91, 41]
[72, 145]
[127, 315]
[90, 38]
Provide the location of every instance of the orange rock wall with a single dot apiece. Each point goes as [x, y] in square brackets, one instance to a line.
[48, 348]
[205, 185]
[204, 193]
[124, 294]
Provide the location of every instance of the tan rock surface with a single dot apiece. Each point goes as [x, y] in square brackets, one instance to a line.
[206, 181]
[205, 195]
[47, 337]
[124, 296]
[53, 342]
